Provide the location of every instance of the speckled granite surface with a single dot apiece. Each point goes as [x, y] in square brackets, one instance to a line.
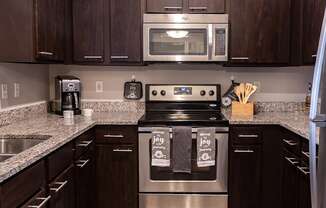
[60, 133]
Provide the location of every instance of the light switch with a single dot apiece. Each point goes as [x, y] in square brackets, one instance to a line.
[4, 91]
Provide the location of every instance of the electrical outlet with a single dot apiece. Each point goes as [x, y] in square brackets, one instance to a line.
[258, 84]
[16, 90]
[99, 86]
[4, 91]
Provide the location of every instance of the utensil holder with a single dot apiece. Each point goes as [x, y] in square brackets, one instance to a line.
[240, 109]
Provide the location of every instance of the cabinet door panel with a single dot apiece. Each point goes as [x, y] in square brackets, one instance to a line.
[88, 29]
[304, 188]
[116, 176]
[245, 177]
[50, 30]
[125, 18]
[312, 20]
[206, 6]
[164, 6]
[259, 31]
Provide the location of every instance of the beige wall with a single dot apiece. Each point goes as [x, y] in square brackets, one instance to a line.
[277, 84]
[33, 80]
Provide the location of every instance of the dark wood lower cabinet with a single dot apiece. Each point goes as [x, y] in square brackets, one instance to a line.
[62, 190]
[116, 176]
[245, 177]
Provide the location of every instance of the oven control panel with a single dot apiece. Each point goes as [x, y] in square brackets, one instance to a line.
[183, 92]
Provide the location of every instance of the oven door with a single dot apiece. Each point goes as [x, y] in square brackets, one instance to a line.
[177, 42]
[201, 180]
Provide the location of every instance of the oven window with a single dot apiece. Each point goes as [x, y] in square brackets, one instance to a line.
[197, 173]
[178, 41]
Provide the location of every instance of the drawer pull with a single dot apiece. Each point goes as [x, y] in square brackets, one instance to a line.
[119, 57]
[303, 170]
[122, 150]
[82, 163]
[290, 142]
[85, 143]
[198, 8]
[61, 185]
[292, 160]
[46, 53]
[173, 8]
[314, 56]
[248, 136]
[113, 136]
[92, 57]
[244, 151]
[307, 154]
[44, 201]
[239, 58]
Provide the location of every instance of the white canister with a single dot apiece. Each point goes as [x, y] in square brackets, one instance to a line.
[68, 114]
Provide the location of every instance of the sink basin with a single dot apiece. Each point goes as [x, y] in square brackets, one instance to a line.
[13, 145]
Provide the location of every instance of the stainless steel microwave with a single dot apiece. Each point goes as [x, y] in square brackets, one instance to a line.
[185, 37]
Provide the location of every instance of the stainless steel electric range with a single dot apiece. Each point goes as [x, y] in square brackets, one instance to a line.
[183, 105]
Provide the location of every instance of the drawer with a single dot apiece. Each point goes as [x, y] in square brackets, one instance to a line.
[246, 134]
[60, 160]
[83, 142]
[291, 142]
[116, 134]
[23, 186]
[39, 200]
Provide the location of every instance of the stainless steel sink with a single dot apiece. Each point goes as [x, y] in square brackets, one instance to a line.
[13, 145]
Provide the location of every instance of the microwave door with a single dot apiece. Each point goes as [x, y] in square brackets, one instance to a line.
[176, 42]
[220, 40]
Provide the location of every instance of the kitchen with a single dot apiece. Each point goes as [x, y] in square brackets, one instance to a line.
[86, 85]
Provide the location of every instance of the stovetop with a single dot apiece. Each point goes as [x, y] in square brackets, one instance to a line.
[193, 118]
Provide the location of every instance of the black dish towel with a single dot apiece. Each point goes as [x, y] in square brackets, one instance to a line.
[182, 145]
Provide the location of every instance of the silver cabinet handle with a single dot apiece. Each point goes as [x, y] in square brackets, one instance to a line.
[92, 57]
[44, 201]
[198, 8]
[61, 185]
[85, 143]
[119, 57]
[290, 142]
[302, 170]
[113, 136]
[291, 160]
[82, 163]
[314, 56]
[122, 150]
[305, 154]
[46, 53]
[248, 136]
[172, 8]
[244, 151]
[239, 58]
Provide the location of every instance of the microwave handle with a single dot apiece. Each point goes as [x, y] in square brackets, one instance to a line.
[210, 41]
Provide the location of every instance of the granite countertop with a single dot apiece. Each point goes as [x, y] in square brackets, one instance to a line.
[60, 133]
[298, 122]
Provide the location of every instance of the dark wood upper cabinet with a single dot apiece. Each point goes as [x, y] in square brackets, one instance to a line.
[259, 31]
[32, 31]
[164, 6]
[313, 13]
[205, 6]
[125, 30]
[88, 31]
[50, 30]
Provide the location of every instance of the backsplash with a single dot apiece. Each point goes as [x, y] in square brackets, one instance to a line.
[114, 106]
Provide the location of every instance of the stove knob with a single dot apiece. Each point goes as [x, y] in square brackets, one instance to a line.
[154, 92]
[163, 92]
[203, 92]
[211, 93]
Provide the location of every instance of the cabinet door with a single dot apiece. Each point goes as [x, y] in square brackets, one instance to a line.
[88, 31]
[116, 176]
[62, 190]
[289, 181]
[304, 188]
[164, 6]
[125, 18]
[85, 181]
[312, 20]
[245, 177]
[50, 30]
[259, 31]
[205, 6]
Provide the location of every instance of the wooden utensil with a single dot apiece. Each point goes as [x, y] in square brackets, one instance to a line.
[252, 91]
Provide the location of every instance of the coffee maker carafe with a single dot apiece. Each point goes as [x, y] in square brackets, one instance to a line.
[67, 94]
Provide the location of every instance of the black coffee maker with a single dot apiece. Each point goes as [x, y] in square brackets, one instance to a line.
[67, 94]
